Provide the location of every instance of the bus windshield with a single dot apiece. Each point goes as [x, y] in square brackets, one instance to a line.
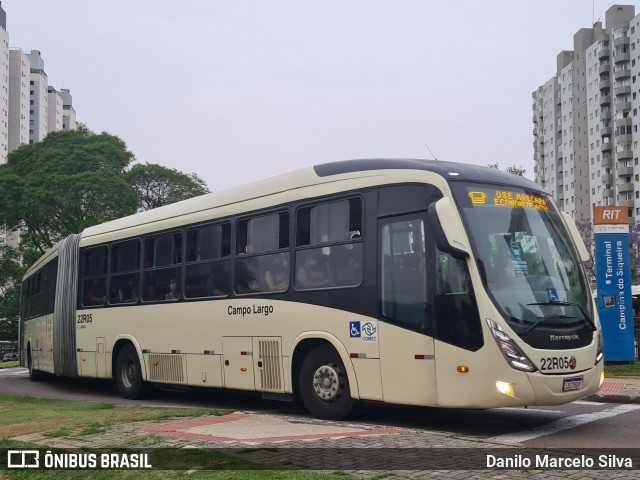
[531, 270]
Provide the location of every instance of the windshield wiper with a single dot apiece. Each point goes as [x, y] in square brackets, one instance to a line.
[542, 320]
[564, 304]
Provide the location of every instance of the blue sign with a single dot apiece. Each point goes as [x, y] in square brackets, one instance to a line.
[615, 307]
[354, 329]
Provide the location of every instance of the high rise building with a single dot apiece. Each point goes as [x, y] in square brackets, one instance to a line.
[68, 112]
[19, 76]
[29, 107]
[38, 98]
[585, 133]
[54, 120]
[4, 87]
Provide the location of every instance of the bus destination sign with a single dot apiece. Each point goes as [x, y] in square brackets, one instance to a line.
[507, 198]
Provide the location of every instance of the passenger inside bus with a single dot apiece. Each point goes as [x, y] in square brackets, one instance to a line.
[150, 294]
[277, 276]
[217, 282]
[95, 294]
[312, 273]
[173, 293]
[124, 293]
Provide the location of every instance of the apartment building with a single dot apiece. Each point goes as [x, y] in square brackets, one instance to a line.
[54, 106]
[586, 119]
[68, 112]
[4, 87]
[29, 107]
[19, 75]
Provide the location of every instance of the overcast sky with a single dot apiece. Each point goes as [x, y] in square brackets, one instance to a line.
[239, 90]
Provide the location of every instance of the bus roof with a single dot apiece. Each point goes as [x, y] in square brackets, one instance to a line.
[319, 174]
[460, 171]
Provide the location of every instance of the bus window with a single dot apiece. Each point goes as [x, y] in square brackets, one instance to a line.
[334, 228]
[329, 222]
[207, 272]
[457, 320]
[208, 243]
[163, 258]
[403, 290]
[125, 272]
[94, 283]
[95, 261]
[258, 268]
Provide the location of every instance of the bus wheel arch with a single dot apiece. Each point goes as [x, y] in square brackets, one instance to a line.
[321, 380]
[127, 371]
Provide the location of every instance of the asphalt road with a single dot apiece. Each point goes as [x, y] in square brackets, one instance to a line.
[579, 424]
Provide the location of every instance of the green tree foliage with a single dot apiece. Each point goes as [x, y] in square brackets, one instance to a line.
[156, 185]
[514, 169]
[11, 272]
[67, 182]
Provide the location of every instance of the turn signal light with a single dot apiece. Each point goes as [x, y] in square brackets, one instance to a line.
[463, 369]
[601, 379]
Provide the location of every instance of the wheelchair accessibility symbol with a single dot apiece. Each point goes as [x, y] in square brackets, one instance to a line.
[354, 329]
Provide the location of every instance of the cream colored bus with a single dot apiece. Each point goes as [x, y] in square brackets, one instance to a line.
[403, 281]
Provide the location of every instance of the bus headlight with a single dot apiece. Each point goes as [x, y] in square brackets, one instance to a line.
[600, 347]
[511, 352]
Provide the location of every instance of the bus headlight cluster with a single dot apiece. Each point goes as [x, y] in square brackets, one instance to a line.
[600, 347]
[511, 352]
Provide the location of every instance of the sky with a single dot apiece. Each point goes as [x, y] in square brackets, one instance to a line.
[240, 90]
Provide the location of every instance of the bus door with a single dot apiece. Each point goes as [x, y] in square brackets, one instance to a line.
[237, 353]
[407, 355]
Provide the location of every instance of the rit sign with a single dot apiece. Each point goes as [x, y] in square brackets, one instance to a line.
[613, 281]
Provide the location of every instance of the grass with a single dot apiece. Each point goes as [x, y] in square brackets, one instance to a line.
[78, 419]
[15, 363]
[631, 370]
[21, 415]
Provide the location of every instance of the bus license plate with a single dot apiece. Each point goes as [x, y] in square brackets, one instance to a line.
[573, 383]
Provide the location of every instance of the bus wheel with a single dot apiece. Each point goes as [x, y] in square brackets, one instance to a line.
[324, 386]
[34, 375]
[129, 374]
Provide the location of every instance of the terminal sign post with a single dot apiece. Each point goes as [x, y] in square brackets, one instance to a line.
[613, 282]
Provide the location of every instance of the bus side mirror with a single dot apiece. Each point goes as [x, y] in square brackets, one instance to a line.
[447, 227]
[583, 253]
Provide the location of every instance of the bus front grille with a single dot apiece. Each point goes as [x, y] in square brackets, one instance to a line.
[165, 368]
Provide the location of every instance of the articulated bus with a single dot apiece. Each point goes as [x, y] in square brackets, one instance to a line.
[410, 282]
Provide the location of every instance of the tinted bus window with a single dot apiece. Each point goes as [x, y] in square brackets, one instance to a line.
[208, 269]
[94, 284]
[124, 285]
[257, 267]
[334, 229]
[162, 277]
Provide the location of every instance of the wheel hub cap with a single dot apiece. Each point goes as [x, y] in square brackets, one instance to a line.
[326, 383]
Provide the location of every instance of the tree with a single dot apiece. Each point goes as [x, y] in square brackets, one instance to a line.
[156, 185]
[514, 169]
[69, 181]
[11, 272]
[586, 232]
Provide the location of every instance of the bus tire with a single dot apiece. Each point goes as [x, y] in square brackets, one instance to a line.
[128, 374]
[324, 385]
[34, 375]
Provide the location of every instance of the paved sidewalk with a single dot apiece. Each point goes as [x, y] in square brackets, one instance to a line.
[618, 390]
[278, 439]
